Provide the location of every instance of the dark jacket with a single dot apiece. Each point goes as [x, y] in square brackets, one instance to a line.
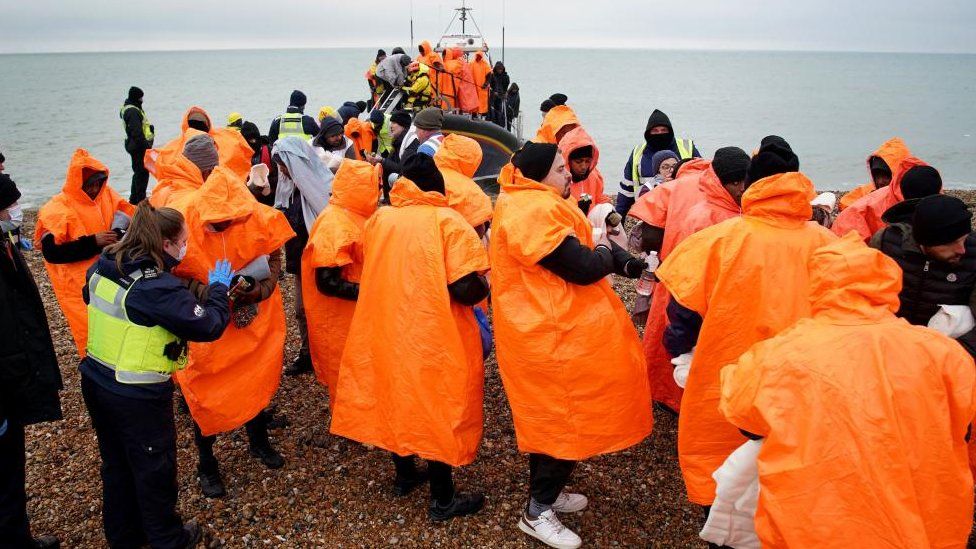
[29, 374]
[498, 84]
[135, 140]
[927, 283]
[309, 125]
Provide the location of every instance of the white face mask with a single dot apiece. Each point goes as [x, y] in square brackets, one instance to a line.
[16, 219]
[180, 254]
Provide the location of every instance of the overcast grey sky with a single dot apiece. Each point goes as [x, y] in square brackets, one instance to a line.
[859, 25]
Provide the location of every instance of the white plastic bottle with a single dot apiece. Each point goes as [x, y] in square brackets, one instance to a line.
[645, 285]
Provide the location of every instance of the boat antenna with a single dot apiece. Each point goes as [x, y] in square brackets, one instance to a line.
[411, 25]
[503, 32]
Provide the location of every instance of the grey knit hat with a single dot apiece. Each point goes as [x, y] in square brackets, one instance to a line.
[202, 151]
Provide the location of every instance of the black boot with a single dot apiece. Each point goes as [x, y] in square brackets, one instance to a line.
[193, 532]
[408, 477]
[302, 365]
[211, 484]
[259, 445]
[462, 504]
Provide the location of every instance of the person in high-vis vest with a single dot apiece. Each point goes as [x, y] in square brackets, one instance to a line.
[140, 320]
[294, 121]
[381, 129]
[658, 136]
[139, 135]
[418, 88]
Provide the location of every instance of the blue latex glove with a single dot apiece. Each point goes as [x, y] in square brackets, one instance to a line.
[221, 273]
[3, 428]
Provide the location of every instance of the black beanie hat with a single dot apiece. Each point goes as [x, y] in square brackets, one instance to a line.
[731, 164]
[8, 192]
[558, 98]
[380, 52]
[535, 160]
[921, 181]
[297, 99]
[2, 158]
[401, 118]
[586, 151]
[546, 105]
[362, 106]
[376, 117]
[249, 130]
[135, 93]
[775, 156]
[940, 219]
[397, 50]
[421, 169]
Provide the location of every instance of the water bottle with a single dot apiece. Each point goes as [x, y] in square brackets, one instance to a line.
[645, 285]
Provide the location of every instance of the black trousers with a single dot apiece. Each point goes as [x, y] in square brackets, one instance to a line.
[14, 527]
[548, 476]
[137, 442]
[140, 176]
[257, 433]
[440, 475]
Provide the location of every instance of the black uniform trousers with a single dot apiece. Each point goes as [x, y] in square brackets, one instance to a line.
[14, 527]
[440, 475]
[137, 442]
[548, 476]
[140, 176]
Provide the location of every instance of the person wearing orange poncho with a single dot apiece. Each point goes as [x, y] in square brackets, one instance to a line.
[582, 156]
[229, 382]
[569, 357]
[864, 417]
[411, 377]
[71, 231]
[662, 212]
[458, 159]
[889, 154]
[480, 70]
[864, 215]
[332, 266]
[188, 170]
[362, 136]
[732, 285]
[558, 120]
[234, 152]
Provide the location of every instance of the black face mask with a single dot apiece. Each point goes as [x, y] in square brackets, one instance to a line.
[660, 141]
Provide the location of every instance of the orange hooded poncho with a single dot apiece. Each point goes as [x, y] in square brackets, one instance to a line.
[554, 121]
[892, 152]
[577, 138]
[748, 279]
[336, 240]
[68, 216]
[657, 208]
[458, 159]
[464, 84]
[480, 69]
[227, 382]
[864, 417]
[568, 354]
[362, 135]
[412, 373]
[176, 178]
[233, 151]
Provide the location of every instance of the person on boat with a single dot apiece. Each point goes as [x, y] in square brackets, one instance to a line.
[513, 103]
[422, 398]
[879, 164]
[426, 136]
[374, 90]
[235, 120]
[391, 73]
[294, 121]
[72, 230]
[419, 87]
[863, 418]
[480, 71]
[139, 136]
[262, 155]
[561, 332]
[498, 82]
[659, 135]
[662, 166]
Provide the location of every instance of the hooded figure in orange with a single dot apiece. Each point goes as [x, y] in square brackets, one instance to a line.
[72, 228]
[467, 94]
[233, 150]
[480, 69]
[458, 159]
[361, 133]
[188, 170]
[880, 166]
[412, 373]
[569, 356]
[582, 156]
[864, 215]
[228, 382]
[332, 266]
[559, 120]
[447, 82]
[732, 285]
[863, 416]
[662, 212]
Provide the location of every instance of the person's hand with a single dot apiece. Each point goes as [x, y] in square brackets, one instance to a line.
[634, 267]
[372, 159]
[221, 273]
[106, 238]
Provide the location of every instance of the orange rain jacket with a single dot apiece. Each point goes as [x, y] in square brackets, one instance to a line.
[554, 121]
[480, 70]
[411, 377]
[233, 151]
[177, 178]
[569, 356]
[336, 240]
[467, 93]
[362, 135]
[70, 215]
[864, 417]
[227, 382]
[458, 159]
[657, 208]
[892, 152]
[747, 277]
[577, 138]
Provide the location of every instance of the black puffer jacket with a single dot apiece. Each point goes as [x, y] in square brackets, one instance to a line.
[927, 283]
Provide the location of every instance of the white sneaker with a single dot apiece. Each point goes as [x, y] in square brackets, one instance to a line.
[550, 531]
[569, 503]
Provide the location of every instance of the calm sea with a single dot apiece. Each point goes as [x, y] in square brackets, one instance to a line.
[835, 108]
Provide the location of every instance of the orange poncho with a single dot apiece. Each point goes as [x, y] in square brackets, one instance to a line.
[227, 382]
[657, 208]
[411, 377]
[233, 151]
[577, 138]
[480, 69]
[555, 120]
[569, 356]
[892, 152]
[864, 215]
[176, 178]
[362, 135]
[864, 417]
[747, 277]
[458, 159]
[68, 216]
[336, 240]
